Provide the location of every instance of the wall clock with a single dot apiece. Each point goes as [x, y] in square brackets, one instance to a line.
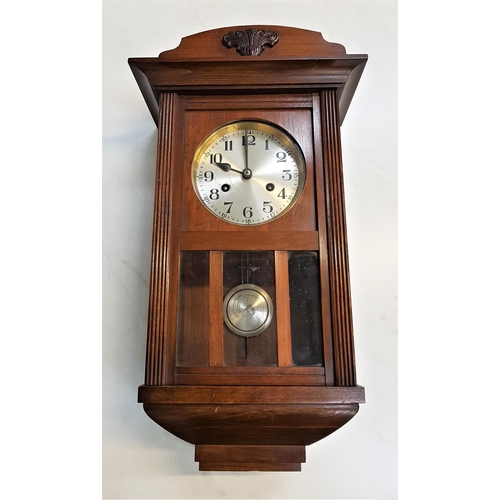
[250, 349]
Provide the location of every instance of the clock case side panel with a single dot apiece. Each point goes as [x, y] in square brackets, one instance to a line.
[338, 261]
[160, 351]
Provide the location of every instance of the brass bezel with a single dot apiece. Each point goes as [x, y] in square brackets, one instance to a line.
[262, 126]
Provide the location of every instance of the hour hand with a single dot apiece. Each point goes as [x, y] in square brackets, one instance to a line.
[224, 166]
[246, 174]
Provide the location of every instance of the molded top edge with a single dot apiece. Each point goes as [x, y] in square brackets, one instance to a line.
[271, 42]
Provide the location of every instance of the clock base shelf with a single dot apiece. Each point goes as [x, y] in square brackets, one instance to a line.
[250, 458]
[242, 428]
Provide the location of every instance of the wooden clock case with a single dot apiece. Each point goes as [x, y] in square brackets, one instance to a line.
[258, 415]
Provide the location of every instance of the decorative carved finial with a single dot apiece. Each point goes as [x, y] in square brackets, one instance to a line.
[250, 42]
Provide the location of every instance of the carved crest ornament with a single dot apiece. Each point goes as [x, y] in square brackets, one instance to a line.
[250, 42]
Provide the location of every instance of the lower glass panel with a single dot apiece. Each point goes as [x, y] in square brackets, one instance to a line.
[193, 320]
[247, 276]
[250, 268]
[305, 309]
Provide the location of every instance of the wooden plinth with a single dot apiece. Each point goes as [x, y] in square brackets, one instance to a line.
[250, 458]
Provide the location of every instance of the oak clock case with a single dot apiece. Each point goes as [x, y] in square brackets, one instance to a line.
[250, 347]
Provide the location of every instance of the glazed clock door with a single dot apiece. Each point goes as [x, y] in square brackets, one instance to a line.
[253, 303]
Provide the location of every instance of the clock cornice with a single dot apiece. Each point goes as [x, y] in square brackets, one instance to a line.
[202, 64]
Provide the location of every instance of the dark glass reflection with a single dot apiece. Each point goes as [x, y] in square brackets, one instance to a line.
[194, 307]
[305, 309]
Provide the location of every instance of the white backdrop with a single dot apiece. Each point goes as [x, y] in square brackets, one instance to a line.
[141, 460]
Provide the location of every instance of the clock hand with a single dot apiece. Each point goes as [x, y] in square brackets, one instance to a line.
[246, 150]
[226, 167]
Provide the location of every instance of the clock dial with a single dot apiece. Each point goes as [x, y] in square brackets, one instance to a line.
[248, 172]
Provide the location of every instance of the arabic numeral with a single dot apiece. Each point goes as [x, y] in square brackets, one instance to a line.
[281, 155]
[267, 208]
[248, 139]
[247, 212]
[214, 194]
[216, 158]
[282, 194]
[287, 176]
[209, 176]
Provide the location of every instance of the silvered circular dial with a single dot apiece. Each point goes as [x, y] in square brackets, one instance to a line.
[248, 172]
[247, 310]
